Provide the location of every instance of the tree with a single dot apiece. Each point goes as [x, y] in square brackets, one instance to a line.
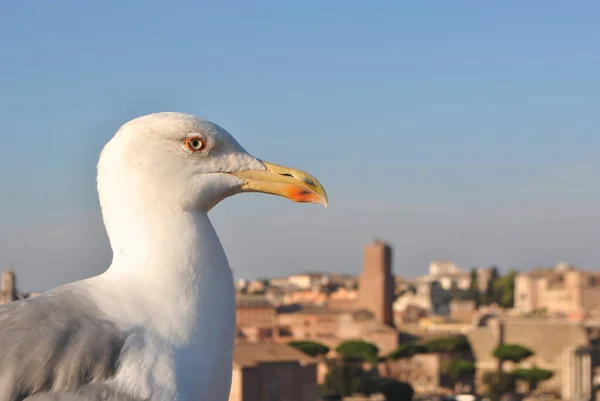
[504, 288]
[407, 350]
[511, 352]
[490, 295]
[358, 350]
[472, 293]
[345, 378]
[311, 348]
[404, 352]
[448, 345]
[460, 369]
[474, 285]
[395, 390]
[532, 376]
[497, 384]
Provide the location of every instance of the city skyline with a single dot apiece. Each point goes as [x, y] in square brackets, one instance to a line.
[463, 132]
[424, 271]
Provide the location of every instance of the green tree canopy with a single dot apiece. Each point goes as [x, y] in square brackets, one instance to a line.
[358, 349]
[311, 348]
[533, 375]
[460, 368]
[406, 351]
[448, 345]
[512, 352]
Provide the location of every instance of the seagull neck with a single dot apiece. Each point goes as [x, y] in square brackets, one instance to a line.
[170, 270]
[178, 243]
[168, 251]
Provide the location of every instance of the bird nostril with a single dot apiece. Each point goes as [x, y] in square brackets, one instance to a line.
[307, 180]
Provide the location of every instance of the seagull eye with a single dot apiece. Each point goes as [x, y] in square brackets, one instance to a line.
[195, 144]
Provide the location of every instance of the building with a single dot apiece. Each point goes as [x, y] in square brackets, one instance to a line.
[331, 327]
[376, 283]
[578, 363]
[439, 268]
[241, 285]
[307, 281]
[256, 287]
[409, 314]
[463, 310]
[548, 339]
[422, 371]
[272, 371]
[402, 285]
[484, 275]
[312, 296]
[562, 291]
[279, 282]
[254, 310]
[449, 275]
[444, 325]
[427, 295]
[256, 318]
[301, 281]
[343, 298]
[8, 288]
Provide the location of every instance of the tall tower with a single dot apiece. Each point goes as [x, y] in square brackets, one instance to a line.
[8, 291]
[376, 283]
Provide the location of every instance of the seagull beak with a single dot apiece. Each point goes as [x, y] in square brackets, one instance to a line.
[288, 182]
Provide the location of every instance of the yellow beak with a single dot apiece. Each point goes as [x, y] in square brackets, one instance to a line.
[288, 182]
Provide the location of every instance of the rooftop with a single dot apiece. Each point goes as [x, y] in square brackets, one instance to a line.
[254, 354]
[252, 301]
[308, 309]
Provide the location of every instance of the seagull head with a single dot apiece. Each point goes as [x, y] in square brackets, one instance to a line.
[176, 157]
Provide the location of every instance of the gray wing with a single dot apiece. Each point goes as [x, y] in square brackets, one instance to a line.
[57, 342]
[92, 392]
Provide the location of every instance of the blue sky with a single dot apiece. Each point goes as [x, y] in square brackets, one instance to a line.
[458, 130]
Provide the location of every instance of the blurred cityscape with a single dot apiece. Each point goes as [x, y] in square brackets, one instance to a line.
[453, 333]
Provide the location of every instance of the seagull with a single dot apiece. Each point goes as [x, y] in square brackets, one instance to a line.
[159, 323]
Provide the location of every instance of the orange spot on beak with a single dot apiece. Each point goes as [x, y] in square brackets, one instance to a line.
[300, 194]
